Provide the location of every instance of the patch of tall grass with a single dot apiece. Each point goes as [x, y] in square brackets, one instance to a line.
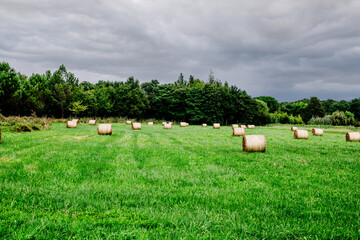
[23, 124]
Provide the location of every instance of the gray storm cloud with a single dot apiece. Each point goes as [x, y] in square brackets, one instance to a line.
[286, 49]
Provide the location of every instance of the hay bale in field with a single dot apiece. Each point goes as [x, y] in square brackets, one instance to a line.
[238, 131]
[294, 128]
[150, 123]
[254, 143]
[234, 126]
[184, 124]
[353, 137]
[92, 122]
[317, 132]
[104, 129]
[301, 134]
[128, 122]
[216, 125]
[167, 126]
[250, 126]
[71, 124]
[76, 120]
[242, 126]
[204, 125]
[136, 126]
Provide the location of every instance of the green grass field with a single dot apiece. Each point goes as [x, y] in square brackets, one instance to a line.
[183, 183]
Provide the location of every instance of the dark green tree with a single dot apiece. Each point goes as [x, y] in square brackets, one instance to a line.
[9, 85]
[271, 102]
[295, 108]
[355, 107]
[328, 105]
[313, 109]
[341, 106]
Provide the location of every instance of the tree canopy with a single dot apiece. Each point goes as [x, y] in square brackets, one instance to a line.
[59, 94]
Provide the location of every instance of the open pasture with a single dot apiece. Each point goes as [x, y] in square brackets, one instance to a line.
[192, 182]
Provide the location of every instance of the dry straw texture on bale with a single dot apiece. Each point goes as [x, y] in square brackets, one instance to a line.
[301, 134]
[92, 122]
[216, 125]
[204, 125]
[71, 124]
[136, 126]
[254, 143]
[167, 126]
[294, 128]
[234, 126]
[243, 126]
[238, 131]
[250, 126]
[104, 129]
[76, 120]
[317, 132]
[184, 124]
[128, 122]
[353, 137]
[150, 123]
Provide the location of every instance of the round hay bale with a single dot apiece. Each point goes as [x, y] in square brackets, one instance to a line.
[71, 124]
[204, 125]
[238, 131]
[76, 120]
[353, 137]
[243, 126]
[301, 134]
[234, 126]
[317, 132]
[92, 122]
[167, 126]
[254, 143]
[184, 124]
[294, 128]
[250, 126]
[104, 129]
[128, 122]
[216, 125]
[136, 126]
[150, 123]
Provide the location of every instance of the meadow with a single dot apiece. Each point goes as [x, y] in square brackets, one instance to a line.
[183, 183]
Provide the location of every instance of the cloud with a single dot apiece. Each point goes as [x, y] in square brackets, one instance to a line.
[279, 48]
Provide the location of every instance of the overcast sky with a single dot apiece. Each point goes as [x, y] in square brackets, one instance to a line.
[281, 48]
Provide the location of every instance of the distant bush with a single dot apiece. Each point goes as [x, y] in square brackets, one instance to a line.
[24, 124]
[351, 117]
[342, 118]
[282, 117]
[296, 119]
[320, 120]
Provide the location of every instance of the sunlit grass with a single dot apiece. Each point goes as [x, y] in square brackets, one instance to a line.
[189, 182]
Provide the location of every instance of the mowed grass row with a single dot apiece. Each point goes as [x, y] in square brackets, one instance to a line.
[189, 182]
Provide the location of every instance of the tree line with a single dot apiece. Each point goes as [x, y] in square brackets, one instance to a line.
[59, 94]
